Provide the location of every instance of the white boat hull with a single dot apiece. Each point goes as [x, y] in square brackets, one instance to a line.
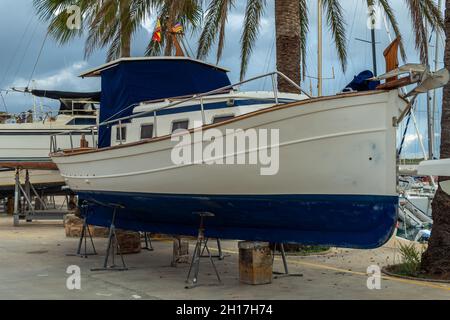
[337, 162]
[41, 179]
[31, 145]
[437, 168]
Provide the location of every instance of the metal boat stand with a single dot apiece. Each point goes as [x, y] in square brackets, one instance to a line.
[200, 246]
[85, 233]
[285, 265]
[113, 245]
[220, 254]
[28, 210]
[148, 241]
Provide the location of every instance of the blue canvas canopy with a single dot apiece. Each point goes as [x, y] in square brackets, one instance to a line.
[361, 82]
[128, 81]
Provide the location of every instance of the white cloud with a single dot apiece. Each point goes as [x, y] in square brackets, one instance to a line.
[149, 25]
[411, 139]
[64, 79]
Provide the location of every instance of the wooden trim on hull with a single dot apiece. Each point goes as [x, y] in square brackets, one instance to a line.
[67, 153]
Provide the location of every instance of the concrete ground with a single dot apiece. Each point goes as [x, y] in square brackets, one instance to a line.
[33, 264]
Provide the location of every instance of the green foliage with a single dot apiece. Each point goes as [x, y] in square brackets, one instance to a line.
[421, 13]
[411, 259]
[112, 23]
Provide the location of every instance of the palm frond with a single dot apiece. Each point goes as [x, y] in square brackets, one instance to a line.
[114, 47]
[216, 19]
[419, 27]
[424, 13]
[57, 14]
[155, 48]
[253, 12]
[209, 32]
[394, 23]
[222, 23]
[336, 23]
[104, 27]
[432, 14]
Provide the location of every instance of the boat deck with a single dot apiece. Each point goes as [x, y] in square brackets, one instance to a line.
[35, 269]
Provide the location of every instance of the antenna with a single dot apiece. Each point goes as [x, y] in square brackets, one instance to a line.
[319, 48]
[436, 65]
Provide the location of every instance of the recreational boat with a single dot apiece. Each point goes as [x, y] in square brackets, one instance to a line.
[437, 168]
[25, 138]
[176, 138]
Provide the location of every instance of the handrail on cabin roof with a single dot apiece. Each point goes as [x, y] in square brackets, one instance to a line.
[190, 98]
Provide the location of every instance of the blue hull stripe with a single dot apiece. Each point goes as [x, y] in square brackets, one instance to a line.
[218, 105]
[355, 221]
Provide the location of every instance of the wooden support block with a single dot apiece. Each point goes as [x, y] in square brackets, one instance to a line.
[255, 262]
[180, 251]
[98, 232]
[129, 241]
[73, 225]
[10, 206]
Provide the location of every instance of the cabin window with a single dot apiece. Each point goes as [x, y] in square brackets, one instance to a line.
[180, 124]
[147, 131]
[218, 119]
[121, 131]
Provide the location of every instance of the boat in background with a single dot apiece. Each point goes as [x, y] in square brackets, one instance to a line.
[47, 181]
[415, 212]
[437, 168]
[25, 138]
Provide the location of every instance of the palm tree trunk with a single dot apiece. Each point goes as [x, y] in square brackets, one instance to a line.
[125, 32]
[436, 260]
[287, 25]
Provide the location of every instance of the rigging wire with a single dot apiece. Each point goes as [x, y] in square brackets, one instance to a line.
[350, 61]
[19, 67]
[268, 58]
[38, 57]
[16, 50]
[4, 102]
[187, 47]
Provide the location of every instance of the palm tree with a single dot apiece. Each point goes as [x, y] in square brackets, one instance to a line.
[186, 12]
[291, 20]
[112, 23]
[436, 259]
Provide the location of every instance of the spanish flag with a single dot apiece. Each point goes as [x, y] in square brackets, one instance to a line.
[178, 28]
[157, 34]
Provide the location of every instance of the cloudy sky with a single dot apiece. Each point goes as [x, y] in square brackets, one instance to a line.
[22, 35]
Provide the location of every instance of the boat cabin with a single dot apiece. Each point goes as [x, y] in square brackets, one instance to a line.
[141, 89]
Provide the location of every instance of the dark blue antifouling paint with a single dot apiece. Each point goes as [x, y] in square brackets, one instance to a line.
[354, 221]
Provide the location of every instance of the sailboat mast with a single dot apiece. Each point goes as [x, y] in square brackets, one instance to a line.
[374, 52]
[319, 48]
[436, 66]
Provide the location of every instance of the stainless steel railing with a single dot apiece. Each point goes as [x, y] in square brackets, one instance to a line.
[93, 129]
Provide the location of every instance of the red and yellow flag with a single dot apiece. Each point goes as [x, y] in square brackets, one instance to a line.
[157, 33]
